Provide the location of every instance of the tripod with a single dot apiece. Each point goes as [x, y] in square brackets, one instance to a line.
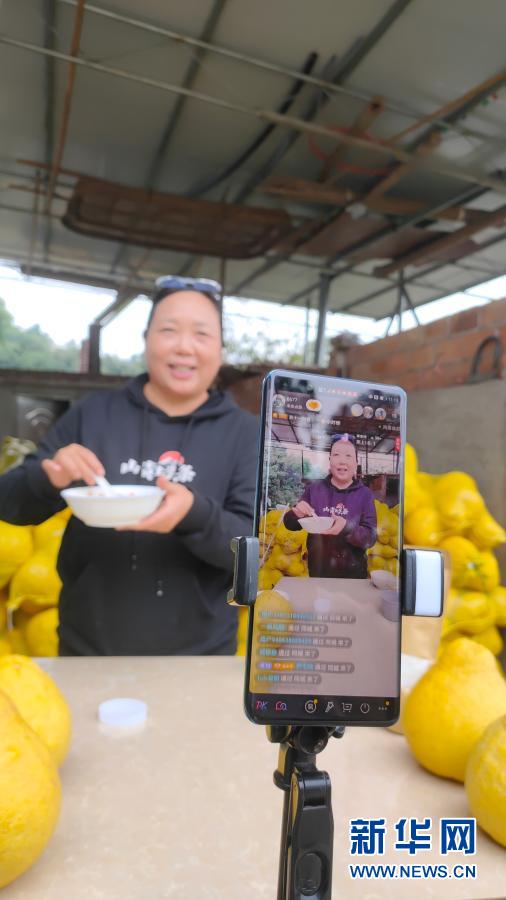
[305, 865]
[307, 831]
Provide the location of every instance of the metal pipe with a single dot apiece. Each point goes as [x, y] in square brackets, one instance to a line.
[35, 222]
[434, 268]
[184, 39]
[285, 121]
[93, 367]
[407, 298]
[323, 300]
[173, 120]
[199, 189]
[333, 69]
[67, 104]
[49, 13]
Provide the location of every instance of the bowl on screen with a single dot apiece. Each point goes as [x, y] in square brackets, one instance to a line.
[315, 524]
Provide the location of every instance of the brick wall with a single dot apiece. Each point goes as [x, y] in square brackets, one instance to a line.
[431, 356]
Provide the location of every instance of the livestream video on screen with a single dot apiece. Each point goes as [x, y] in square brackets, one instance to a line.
[327, 616]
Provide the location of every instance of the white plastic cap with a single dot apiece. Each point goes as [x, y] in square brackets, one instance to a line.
[123, 712]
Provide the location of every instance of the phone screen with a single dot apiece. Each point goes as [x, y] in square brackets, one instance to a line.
[324, 636]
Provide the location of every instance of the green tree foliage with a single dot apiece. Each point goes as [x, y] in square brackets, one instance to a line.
[313, 472]
[32, 349]
[285, 478]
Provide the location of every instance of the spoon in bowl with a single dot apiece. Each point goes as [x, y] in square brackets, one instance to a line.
[105, 486]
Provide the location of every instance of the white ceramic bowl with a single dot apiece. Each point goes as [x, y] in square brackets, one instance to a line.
[384, 580]
[130, 503]
[315, 524]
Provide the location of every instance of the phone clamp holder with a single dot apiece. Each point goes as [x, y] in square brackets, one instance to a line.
[307, 833]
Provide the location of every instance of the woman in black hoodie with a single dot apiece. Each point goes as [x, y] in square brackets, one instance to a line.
[158, 588]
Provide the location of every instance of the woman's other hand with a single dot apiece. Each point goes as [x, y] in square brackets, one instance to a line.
[303, 509]
[72, 463]
[174, 507]
[337, 526]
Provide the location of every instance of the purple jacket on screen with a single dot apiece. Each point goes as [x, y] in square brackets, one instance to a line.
[342, 555]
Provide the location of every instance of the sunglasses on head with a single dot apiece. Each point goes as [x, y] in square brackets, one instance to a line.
[346, 438]
[181, 283]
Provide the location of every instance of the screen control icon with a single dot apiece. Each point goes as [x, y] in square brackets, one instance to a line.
[329, 706]
[347, 707]
[310, 706]
[364, 708]
[281, 706]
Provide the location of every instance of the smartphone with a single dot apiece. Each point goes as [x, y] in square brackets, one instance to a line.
[324, 632]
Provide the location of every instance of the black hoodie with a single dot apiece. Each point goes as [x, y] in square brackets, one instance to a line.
[133, 593]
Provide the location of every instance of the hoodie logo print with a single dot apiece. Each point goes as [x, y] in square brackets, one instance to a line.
[171, 465]
[339, 510]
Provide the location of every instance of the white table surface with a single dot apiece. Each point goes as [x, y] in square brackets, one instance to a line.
[186, 808]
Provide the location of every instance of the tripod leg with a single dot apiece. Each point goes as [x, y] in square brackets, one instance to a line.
[285, 848]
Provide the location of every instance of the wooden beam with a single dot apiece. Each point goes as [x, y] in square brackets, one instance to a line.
[402, 169]
[487, 86]
[361, 124]
[303, 191]
[435, 248]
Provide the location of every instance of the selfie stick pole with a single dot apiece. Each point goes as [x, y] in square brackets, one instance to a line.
[307, 831]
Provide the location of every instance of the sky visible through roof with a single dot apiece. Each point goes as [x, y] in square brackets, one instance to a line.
[64, 312]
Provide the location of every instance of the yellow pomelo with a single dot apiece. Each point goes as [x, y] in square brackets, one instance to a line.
[498, 598]
[486, 781]
[36, 585]
[455, 481]
[391, 565]
[16, 546]
[17, 641]
[452, 704]
[491, 639]
[410, 459]
[470, 611]
[375, 563]
[30, 794]
[280, 560]
[41, 633]
[414, 495]
[39, 701]
[485, 576]
[270, 521]
[3, 614]
[464, 559]
[297, 569]
[384, 550]
[5, 646]
[242, 631]
[423, 527]
[49, 530]
[485, 532]
[458, 500]
[267, 578]
[427, 482]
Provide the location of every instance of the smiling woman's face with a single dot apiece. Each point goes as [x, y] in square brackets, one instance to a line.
[183, 345]
[343, 462]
